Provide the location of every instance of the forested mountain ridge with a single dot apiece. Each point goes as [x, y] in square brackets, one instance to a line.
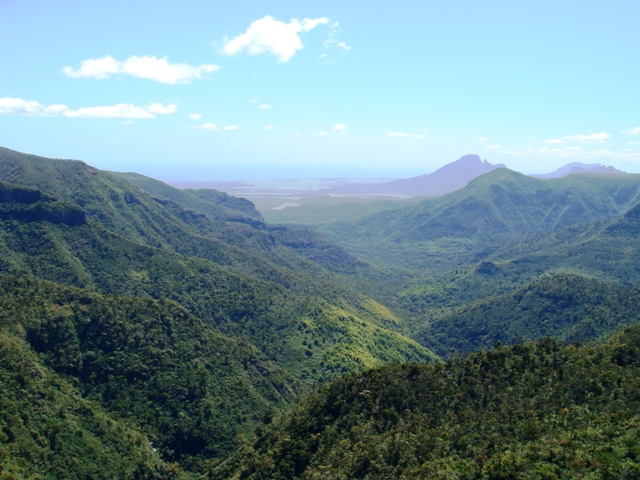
[234, 279]
[568, 307]
[190, 389]
[196, 320]
[496, 208]
[531, 411]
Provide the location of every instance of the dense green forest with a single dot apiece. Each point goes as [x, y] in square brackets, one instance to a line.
[539, 410]
[151, 332]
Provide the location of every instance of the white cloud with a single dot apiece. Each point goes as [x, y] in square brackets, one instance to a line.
[150, 68]
[633, 131]
[268, 35]
[482, 139]
[493, 147]
[406, 135]
[231, 127]
[208, 127]
[593, 137]
[18, 106]
[269, 127]
[634, 143]
[195, 116]
[341, 127]
[322, 133]
[264, 106]
[254, 100]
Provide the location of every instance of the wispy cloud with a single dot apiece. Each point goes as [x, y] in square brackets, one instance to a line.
[269, 127]
[268, 35]
[592, 137]
[493, 147]
[332, 41]
[231, 127]
[265, 106]
[208, 127]
[147, 67]
[482, 139]
[341, 127]
[195, 116]
[580, 153]
[18, 106]
[419, 136]
[632, 131]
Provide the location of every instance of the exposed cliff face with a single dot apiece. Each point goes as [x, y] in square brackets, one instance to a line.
[18, 202]
[18, 193]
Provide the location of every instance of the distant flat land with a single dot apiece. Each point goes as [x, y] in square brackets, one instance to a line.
[306, 200]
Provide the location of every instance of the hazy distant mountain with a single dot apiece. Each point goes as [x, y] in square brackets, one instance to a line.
[578, 167]
[449, 178]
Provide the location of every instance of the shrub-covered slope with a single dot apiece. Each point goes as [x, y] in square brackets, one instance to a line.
[531, 411]
[567, 307]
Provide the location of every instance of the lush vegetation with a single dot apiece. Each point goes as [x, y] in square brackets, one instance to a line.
[149, 362]
[534, 410]
[499, 207]
[146, 331]
[568, 307]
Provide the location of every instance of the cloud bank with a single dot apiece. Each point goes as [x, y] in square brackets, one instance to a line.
[268, 35]
[150, 68]
[18, 106]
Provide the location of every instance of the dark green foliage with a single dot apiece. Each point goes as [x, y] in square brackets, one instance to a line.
[535, 410]
[48, 430]
[193, 391]
[567, 307]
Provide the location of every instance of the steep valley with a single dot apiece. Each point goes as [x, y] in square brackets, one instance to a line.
[153, 332]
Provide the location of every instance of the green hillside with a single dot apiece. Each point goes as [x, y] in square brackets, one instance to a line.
[191, 390]
[178, 321]
[567, 307]
[49, 430]
[532, 411]
[499, 207]
[256, 323]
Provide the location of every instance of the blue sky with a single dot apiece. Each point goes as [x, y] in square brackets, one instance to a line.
[203, 90]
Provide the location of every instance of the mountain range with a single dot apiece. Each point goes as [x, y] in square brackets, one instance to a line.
[154, 332]
[446, 179]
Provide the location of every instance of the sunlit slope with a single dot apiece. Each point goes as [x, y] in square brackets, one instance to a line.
[200, 223]
[498, 207]
[272, 314]
[537, 410]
